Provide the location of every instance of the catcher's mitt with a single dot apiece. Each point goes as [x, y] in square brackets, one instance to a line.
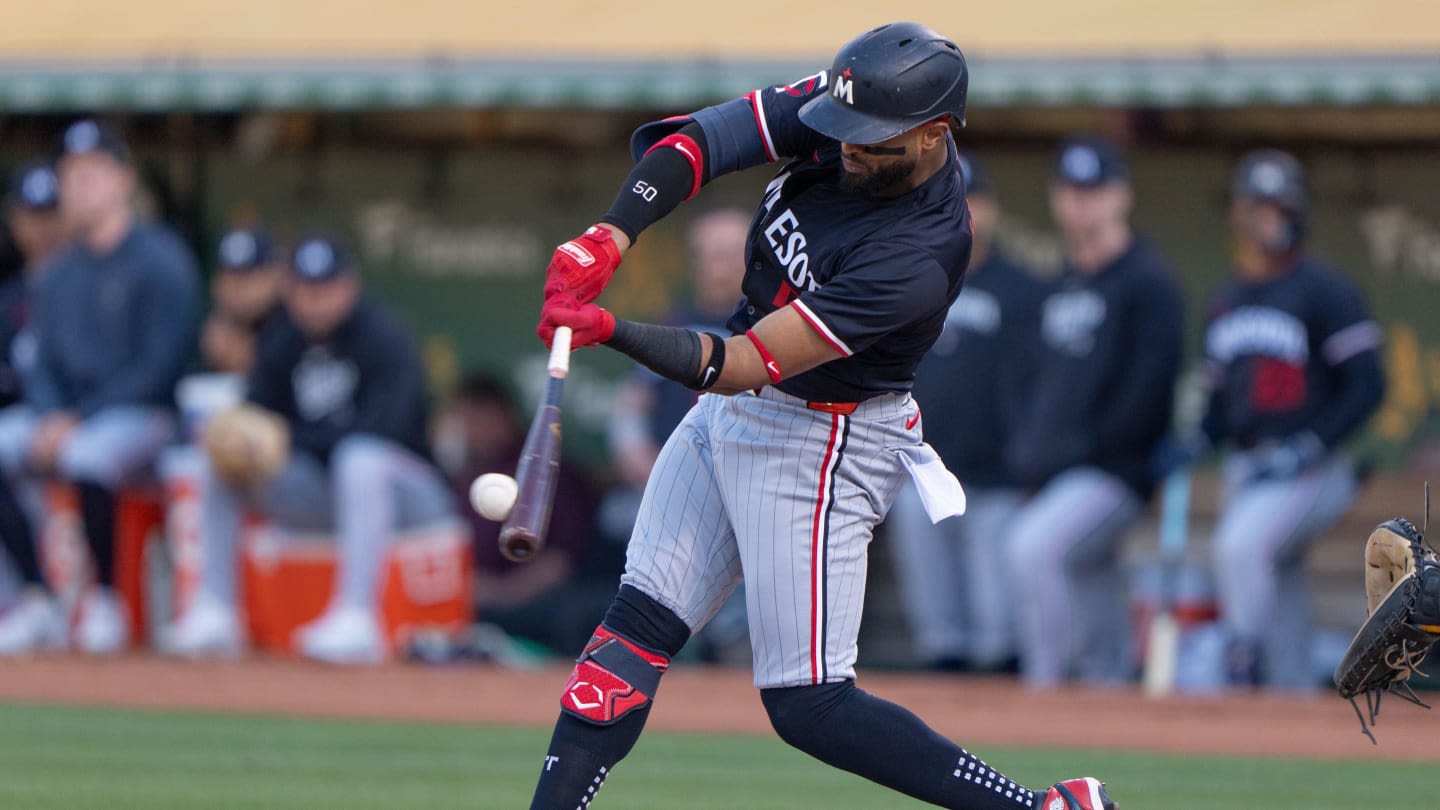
[1402, 589]
[246, 444]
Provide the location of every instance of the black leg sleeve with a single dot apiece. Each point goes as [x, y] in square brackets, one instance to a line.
[581, 753]
[97, 512]
[850, 729]
[18, 537]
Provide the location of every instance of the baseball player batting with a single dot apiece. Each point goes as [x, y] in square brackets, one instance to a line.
[780, 473]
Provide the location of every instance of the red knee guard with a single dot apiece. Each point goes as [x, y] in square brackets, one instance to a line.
[612, 678]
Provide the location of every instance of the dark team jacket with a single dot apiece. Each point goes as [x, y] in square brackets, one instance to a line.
[873, 276]
[1293, 353]
[366, 378]
[973, 382]
[1108, 358]
[114, 329]
[14, 315]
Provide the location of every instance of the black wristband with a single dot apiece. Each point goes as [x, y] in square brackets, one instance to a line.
[669, 351]
[710, 374]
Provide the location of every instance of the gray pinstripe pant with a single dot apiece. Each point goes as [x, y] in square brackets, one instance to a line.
[1259, 552]
[765, 488]
[1065, 549]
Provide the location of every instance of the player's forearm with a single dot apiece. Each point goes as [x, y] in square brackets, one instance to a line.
[674, 353]
[705, 362]
[667, 175]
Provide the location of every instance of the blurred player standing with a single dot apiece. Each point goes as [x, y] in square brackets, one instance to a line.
[1110, 342]
[953, 576]
[1293, 370]
[780, 475]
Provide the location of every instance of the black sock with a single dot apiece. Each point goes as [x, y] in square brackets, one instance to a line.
[582, 754]
[18, 538]
[97, 511]
[847, 728]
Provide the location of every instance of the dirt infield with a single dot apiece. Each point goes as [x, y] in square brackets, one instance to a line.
[975, 711]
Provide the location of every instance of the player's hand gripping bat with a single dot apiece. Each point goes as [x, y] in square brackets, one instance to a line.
[523, 533]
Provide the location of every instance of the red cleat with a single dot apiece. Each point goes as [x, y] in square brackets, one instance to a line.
[1085, 793]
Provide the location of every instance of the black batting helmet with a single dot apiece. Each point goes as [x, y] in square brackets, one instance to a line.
[889, 80]
[1274, 177]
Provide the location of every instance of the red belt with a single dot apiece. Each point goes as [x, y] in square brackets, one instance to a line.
[842, 408]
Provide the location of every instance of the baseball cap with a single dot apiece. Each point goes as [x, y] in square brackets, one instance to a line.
[243, 249]
[1089, 161]
[319, 258]
[976, 180]
[88, 135]
[34, 188]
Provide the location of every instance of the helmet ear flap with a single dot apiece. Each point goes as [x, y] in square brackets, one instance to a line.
[1289, 235]
[1293, 233]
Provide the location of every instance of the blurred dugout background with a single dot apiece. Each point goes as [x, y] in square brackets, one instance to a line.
[456, 143]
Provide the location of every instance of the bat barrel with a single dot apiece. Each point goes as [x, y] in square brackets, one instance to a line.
[523, 532]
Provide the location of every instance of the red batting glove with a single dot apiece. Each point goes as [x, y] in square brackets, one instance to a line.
[591, 324]
[583, 266]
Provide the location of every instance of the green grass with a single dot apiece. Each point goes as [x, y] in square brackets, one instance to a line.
[76, 758]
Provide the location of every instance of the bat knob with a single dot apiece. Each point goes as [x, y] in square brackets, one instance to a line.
[518, 546]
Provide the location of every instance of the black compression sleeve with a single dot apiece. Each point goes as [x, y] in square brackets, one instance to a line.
[669, 351]
[660, 181]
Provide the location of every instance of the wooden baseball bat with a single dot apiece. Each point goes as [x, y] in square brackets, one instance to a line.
[1162, 647]
[523, 533]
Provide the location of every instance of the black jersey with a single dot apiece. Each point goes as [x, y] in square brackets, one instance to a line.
[1292, 353]
[873, 276]
[974, 381]
[1104, 387]
[365, 378]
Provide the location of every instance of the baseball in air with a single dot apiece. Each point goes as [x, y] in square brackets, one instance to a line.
[493, 495]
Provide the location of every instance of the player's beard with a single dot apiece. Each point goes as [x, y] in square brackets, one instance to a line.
[875, 182]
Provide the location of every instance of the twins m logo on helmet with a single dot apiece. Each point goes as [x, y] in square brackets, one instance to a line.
[844, 88]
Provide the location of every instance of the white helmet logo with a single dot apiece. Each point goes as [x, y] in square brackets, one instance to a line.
[1267, 178]
[82, 137]
[844, 87]
[238, 249]
[314, 258]
[38, 186]
[1081, 164]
